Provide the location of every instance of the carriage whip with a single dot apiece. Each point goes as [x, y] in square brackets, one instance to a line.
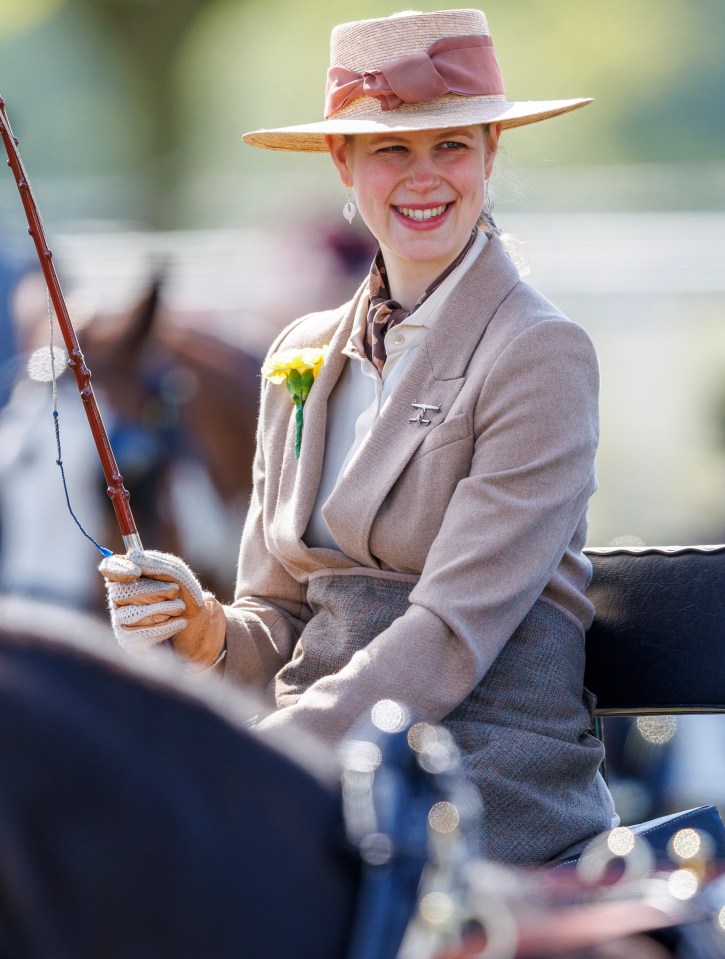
[117, 492]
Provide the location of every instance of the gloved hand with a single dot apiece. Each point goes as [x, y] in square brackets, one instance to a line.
[153, 597]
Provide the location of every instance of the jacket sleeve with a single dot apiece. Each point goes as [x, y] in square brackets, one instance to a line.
[504, 534]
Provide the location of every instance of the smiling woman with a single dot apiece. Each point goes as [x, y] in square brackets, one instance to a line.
[420, 194]
[424, 543]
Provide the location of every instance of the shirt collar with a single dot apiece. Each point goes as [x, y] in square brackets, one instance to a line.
[426, 314]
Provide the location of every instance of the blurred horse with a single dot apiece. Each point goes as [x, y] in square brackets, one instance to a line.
[140, 818]
[183, 408]
[180, 407]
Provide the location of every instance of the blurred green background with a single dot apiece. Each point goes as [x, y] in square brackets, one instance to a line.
[130, 113]
[149, 97]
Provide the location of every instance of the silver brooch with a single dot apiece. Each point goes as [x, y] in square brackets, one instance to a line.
[422, 410]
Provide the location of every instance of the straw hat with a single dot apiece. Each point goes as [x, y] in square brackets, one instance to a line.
[411, 71]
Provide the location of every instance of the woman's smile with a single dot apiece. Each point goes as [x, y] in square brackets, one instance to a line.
[426, 217]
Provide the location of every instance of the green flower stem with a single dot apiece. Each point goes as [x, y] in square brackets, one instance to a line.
[298, 433]
[298, 387]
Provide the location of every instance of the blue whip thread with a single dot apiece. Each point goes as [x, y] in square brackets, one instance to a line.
[59, 461]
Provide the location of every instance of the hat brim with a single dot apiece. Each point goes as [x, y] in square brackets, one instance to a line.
[310, 137]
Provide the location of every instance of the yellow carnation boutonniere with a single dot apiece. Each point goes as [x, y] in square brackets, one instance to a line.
[297, 369]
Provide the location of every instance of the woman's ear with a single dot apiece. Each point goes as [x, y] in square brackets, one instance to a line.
[339, 149]
[492, 135]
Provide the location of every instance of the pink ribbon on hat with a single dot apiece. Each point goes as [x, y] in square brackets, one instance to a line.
[463, 65]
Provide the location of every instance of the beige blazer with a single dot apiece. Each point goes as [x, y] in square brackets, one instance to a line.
[483, 510]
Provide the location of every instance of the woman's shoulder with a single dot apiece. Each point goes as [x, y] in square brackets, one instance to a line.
[527, 307]
[522, 307]
[525, 329]
[530, 327]
[516, 305]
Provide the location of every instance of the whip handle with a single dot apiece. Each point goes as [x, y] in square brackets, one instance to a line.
[117, 492]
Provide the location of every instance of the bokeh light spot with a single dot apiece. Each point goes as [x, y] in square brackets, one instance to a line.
[40, 367]
[362, 756]
[437, 908]
[620, 841]
[683, 884]
[686, 843]
[376, 849]
[389, 716]
[627, 539]
[444, 817]
[657, 730]
[421, 736]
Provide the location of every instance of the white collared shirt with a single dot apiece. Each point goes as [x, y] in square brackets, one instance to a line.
[361, 392]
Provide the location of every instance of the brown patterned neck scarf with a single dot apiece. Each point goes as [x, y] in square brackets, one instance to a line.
[384, 313]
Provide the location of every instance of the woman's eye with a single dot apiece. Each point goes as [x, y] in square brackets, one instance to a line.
[394, 148]
[452, 145]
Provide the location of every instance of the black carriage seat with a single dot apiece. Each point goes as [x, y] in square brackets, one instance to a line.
[657, 647]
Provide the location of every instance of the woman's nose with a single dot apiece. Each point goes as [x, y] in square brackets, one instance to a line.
[422, 174]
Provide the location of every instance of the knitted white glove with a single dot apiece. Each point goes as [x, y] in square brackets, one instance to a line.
[156, 588]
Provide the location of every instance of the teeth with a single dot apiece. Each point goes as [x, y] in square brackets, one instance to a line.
[421, 214]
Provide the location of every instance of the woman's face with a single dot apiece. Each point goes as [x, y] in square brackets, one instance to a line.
[420, 193]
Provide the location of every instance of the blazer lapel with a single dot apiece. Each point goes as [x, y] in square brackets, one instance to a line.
[300, 478]
[434, 377]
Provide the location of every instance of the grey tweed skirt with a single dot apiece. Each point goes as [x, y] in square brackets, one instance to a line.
[523, 731]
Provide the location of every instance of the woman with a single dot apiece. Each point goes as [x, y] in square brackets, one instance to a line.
[422, 542]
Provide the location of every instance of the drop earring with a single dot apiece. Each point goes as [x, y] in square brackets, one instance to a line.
[487, 213]
[349, 210]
